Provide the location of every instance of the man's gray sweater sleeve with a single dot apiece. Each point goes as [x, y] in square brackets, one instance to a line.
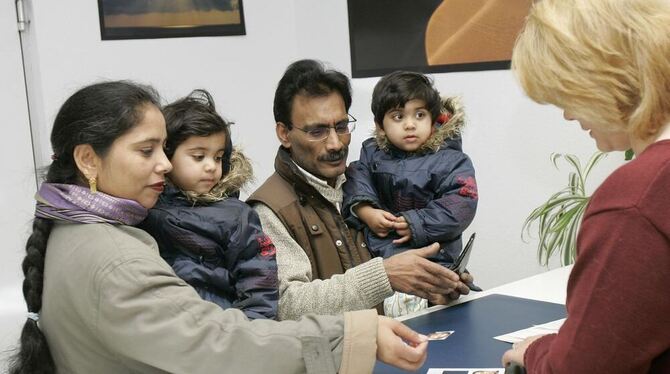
[360, 287]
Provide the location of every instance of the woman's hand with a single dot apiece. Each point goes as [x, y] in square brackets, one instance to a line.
[518, 351]
[400, 346]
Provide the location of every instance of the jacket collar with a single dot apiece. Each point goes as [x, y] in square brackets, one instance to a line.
[305, 183]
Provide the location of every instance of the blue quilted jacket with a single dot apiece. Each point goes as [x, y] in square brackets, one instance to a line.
[434, 189]
[218, 248]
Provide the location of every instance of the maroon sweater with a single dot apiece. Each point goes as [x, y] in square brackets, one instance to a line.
[619, 290]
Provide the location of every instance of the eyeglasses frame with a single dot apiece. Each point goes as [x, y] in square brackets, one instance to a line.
[351, 122]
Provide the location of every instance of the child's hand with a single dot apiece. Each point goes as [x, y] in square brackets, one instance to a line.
[379, 221]
[402, 228]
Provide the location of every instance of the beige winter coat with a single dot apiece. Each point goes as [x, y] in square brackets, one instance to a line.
[112, 305]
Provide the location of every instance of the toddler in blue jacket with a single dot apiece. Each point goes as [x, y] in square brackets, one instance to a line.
[412, 185]
[211, 239]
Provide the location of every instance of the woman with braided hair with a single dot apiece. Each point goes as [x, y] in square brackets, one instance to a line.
[101, 299]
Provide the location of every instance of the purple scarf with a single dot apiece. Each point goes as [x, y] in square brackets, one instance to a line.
[72, 203]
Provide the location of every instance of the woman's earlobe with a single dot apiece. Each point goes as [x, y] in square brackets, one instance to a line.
[86, 160]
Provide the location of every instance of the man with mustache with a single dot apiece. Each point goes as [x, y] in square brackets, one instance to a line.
[323, 266]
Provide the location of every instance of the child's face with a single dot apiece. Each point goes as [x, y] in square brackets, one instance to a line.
[197, 162]
[408, 127]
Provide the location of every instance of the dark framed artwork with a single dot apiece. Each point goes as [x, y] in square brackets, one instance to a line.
[148, 19]
[432, 36]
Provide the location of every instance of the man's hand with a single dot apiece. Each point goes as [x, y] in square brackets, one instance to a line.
[400, 346]
[401, 228]
[461, 289]
[410, 272]
[518, 351]
[378, 220]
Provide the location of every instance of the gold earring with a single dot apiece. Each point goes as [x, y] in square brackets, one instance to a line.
[93, 184]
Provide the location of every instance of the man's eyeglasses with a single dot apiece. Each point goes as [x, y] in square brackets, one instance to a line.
[316, 133]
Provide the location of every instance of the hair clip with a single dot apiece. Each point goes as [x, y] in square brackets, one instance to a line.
[54, 157]
[34, 316]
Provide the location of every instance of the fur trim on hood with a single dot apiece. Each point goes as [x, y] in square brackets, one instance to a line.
[455, 121]
[241, 172]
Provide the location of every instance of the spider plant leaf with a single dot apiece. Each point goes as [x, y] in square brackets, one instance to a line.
[595, 158]
[571, 250]
[553, 204]
[557, 220]
[554, 159]
[574, 162]
[547, 214]
[566, 253]
[574, 184]
[568, 217]
[555, 241]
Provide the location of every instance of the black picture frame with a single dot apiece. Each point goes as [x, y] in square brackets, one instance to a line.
[390, 35]
[143, 19]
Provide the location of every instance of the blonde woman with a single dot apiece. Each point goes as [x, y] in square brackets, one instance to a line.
[606, 63]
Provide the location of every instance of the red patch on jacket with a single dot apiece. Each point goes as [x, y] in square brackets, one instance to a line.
[468, 187]
[267, 248]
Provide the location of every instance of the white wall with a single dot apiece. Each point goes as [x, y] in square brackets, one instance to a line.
[508, 137]
[240, 71]
[17, 183]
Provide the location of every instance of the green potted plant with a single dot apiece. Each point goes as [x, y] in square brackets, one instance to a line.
[559, 217]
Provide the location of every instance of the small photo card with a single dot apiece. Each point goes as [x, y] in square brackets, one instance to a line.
[467, 371]
[439, 335]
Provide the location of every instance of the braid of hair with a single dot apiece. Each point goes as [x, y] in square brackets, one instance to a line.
[33, 356]
[96, 115]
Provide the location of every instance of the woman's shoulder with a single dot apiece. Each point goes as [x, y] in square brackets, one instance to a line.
[101, 242]
[103, 231]
[85, 255]
[640, 183]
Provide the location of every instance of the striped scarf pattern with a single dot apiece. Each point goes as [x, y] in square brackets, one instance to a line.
[73, 203]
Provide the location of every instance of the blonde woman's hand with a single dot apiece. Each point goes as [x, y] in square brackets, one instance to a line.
[400, 346]
[518, 351]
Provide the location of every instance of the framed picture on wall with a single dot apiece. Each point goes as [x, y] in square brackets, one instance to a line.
[148, 19]
[433, 36]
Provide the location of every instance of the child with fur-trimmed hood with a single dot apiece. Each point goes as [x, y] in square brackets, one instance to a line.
[412, 185]
[211, 239]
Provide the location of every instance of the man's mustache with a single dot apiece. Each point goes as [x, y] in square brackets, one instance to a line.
[334, 156]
